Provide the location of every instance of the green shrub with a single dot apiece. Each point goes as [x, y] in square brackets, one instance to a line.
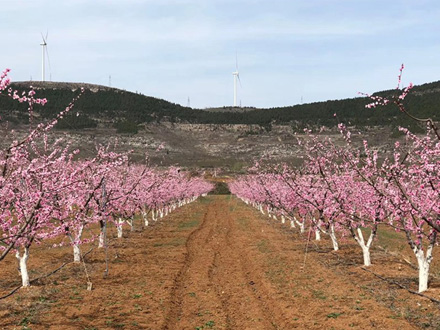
[126, 126]
[221, 188]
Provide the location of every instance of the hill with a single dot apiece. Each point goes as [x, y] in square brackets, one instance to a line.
[124, 109]
[97, 104]
[226, 137]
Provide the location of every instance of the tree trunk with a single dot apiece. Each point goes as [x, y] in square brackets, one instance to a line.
[423, 272]
[292, 223]
[22, 261]
[424, 265]
[302, 225]
[359, 238]
[101, 239]
[317, 230]
[366, 254]
[145, 217]
[75, 244]
[76, 253]
[101, 242]
[131, 223]
[317, 235]
[332, 235]
[119, 227]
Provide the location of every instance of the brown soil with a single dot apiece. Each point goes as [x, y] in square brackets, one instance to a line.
[215, 264]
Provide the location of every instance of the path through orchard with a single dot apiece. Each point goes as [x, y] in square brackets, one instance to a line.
[213, 264]
[242, 273]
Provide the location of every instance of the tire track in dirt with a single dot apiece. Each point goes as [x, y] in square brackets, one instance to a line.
[218, 283]
[175, 310]
[244, 294]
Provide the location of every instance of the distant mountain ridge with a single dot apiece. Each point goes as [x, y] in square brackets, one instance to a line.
[102, 104]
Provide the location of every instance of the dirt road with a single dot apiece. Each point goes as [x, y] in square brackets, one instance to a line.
[214, 264]
[242, 273]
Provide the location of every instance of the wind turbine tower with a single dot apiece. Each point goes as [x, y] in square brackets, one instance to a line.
[43, 52]
[236, 76]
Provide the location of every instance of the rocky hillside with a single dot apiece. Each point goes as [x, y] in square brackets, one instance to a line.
[226, 137]
[232, 147]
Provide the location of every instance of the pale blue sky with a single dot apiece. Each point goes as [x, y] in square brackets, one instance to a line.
[175, 49]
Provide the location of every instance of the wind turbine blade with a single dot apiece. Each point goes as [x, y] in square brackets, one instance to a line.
[238, 76]
[47, 33]
[44, 40]
[48, 62]
[236, 61]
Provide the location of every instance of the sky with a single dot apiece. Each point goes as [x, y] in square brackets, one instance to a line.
[288, 51]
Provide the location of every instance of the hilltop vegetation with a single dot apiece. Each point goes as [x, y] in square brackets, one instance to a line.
[127, 109]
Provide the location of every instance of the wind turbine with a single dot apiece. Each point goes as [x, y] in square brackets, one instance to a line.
[43, 53]
[236, 76]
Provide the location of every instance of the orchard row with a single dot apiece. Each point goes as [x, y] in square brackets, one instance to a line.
[344, 191]
[348, 191]
[46, 193]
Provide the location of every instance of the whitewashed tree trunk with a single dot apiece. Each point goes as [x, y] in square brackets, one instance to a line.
[317, 230]
[302, 227]
[145, 218]
[317, 235]
[359, 238]
[22, 261]
[283, 219]
[130, 221]
[261, 209]
[75, 244]
[366, 254]
[332, 235]
[119, 227]
[76, 253]
[301, 224]
[292, 222]
[76, 248]
[101, 239]
[424, 264]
